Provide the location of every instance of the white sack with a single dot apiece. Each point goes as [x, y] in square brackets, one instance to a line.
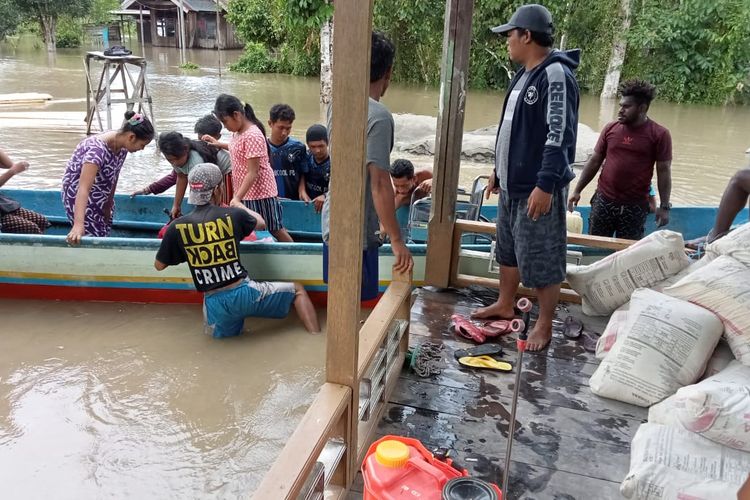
[614, 328]
[608, 283]
[735, 244]
[717, 408]
[722, 286]
[670, 463]
[719, 360]
[672, 280]
[665, 346]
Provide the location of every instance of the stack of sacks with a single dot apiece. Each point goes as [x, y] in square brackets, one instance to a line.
[696, 442]
[608, 283]
[736, 245]
[672, 463]
[665, 346]
[723, 287]
[717, 408]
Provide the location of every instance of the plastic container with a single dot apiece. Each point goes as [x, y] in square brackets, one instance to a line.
[469, 488]
[397, 467]
[574, 222]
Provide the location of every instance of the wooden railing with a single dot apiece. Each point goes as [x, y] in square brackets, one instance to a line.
[383, 341]
[566, 294]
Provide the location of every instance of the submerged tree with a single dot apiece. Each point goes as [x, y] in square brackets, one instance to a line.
[47, 12]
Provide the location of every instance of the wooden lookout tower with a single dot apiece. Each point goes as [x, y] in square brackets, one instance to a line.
[129, 90]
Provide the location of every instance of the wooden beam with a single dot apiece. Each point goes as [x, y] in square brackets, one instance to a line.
[376, 327]
[470, 226]
[465, 280]
[351, 87]
[449, 137]
[291, 468]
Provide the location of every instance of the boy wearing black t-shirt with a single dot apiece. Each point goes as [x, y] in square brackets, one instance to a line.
[208, 239]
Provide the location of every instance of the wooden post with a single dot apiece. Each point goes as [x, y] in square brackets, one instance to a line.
[453, 90]
[181, 19]
[143, 35]
[351, 77]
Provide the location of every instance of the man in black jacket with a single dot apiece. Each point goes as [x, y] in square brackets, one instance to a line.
[534, 149]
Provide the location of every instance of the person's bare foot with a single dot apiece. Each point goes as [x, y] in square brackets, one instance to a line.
[539, 338]
[494, 311]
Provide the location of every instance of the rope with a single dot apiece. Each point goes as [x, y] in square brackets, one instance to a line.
[427, 358]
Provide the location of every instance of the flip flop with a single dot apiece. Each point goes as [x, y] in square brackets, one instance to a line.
[466, 329]
[589, 342]
[485, 363]
[572, 327]
[480, 350]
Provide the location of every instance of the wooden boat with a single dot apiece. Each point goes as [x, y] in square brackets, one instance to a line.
[120, 268]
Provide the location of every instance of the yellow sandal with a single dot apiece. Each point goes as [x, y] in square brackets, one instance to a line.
[485, 363]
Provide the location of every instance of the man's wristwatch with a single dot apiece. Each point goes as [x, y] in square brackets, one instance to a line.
[665, 206]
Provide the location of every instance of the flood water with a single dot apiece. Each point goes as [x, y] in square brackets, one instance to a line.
[133, 401]
[709, 142]
[124, 400]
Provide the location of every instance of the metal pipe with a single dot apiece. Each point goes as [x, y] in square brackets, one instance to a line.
[525, 306]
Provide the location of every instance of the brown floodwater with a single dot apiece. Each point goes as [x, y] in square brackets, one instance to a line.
[133, 401]
[709, 141]
[124, 400]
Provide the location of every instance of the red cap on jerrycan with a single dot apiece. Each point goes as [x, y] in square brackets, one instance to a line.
[396, 468]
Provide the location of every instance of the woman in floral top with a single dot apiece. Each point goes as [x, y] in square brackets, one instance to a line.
[90, 179]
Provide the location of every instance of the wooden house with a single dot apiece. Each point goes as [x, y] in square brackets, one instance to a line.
[204, 27]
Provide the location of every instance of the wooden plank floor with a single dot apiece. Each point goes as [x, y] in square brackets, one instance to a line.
[569, 443]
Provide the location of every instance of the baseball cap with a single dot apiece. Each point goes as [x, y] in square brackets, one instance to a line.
[532, 17]
[203, 179]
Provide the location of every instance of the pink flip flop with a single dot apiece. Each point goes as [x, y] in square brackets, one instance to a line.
[496, 328]
[468, 330]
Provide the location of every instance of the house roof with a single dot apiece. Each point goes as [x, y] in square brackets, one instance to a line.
[189, 5]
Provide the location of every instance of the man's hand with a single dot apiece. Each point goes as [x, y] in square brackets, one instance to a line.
[538, 204]
[236, 203]
[175, 212]
[662, 217]
[303, 196]
[425, 187]
[19, 167]
[318, 202]
[575, 197]
[404, 261]
[491, 188]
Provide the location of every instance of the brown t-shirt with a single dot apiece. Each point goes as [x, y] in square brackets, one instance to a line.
[630, 155]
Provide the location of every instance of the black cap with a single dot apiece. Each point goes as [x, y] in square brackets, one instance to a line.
[532, 17]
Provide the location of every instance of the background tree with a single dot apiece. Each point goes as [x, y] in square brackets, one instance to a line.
[9, 18]
[47, 12]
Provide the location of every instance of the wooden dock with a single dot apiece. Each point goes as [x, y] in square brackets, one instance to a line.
[569, 443]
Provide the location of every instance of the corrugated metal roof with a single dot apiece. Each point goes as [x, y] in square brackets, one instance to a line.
[190, 5]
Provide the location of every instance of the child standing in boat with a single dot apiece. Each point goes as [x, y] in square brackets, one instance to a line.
[183, 154]
[208, 129]
[252, 176]
[90, 179]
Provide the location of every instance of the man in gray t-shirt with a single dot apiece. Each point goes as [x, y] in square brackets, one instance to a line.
[379, 202]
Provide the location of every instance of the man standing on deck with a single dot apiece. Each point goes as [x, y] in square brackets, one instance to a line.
[534, 149]
[631, 145]
[379, 202]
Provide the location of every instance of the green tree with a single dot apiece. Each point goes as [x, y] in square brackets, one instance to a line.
[692, 50]
[47, 12]
[9, 18]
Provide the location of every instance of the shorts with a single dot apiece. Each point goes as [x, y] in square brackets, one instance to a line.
[270, 210]
[225, 311]
[370, 272]
[538, 249]
[611, 218]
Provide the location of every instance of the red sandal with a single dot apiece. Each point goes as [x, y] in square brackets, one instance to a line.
[466, 329]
